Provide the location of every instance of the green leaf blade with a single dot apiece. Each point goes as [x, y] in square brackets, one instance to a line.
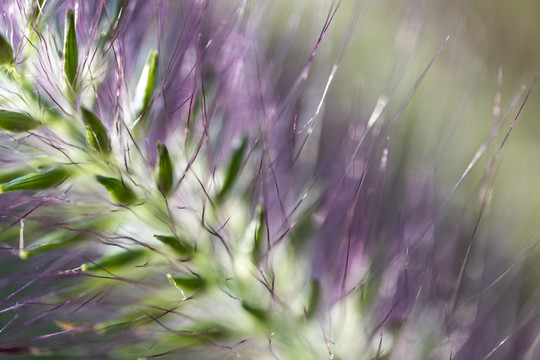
[112, 262]
[165, 169]
[179, 246]
[37, 181]
[147, 84]
[71, 50]
[119, 191]
[234, 167]
[17, 122]
[97, 134]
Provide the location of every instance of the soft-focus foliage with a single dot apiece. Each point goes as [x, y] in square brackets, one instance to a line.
[258, 180]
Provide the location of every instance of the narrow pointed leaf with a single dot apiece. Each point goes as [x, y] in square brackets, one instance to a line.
[211, 331]
[17, 122]
[165, 169]
[96, 133]
[63, 241]
[147, 83]
[71, 50]
[314, 298]
[118, 190]
[187, 282]
[37, 181]
[180, 246]
[234, 166]
[115, 261]
[259, 233]
[117, 324]
[256, 311]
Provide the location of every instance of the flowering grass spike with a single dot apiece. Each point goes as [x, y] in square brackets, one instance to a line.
[214, 180]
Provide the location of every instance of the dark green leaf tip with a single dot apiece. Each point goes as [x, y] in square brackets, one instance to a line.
[96, 133]
[119, 191]
[6, 51]
[37, 181]
[165, 169]
[71, 50]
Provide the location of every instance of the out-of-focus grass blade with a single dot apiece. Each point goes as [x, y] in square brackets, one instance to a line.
[234, 166]
[187, 282]
[37, 181]
[259, 233]
[115, 261]
[368, 293]
[212, 331]
[314, 298]
[16, 121]
[118, 324]
[301, 233]
[62, 241]
[255, 311]
[179, 246]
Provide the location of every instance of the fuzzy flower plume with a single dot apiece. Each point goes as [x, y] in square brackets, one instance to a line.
[175, 182]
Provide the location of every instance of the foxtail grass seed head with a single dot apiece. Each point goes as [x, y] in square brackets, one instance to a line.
[309, 195]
